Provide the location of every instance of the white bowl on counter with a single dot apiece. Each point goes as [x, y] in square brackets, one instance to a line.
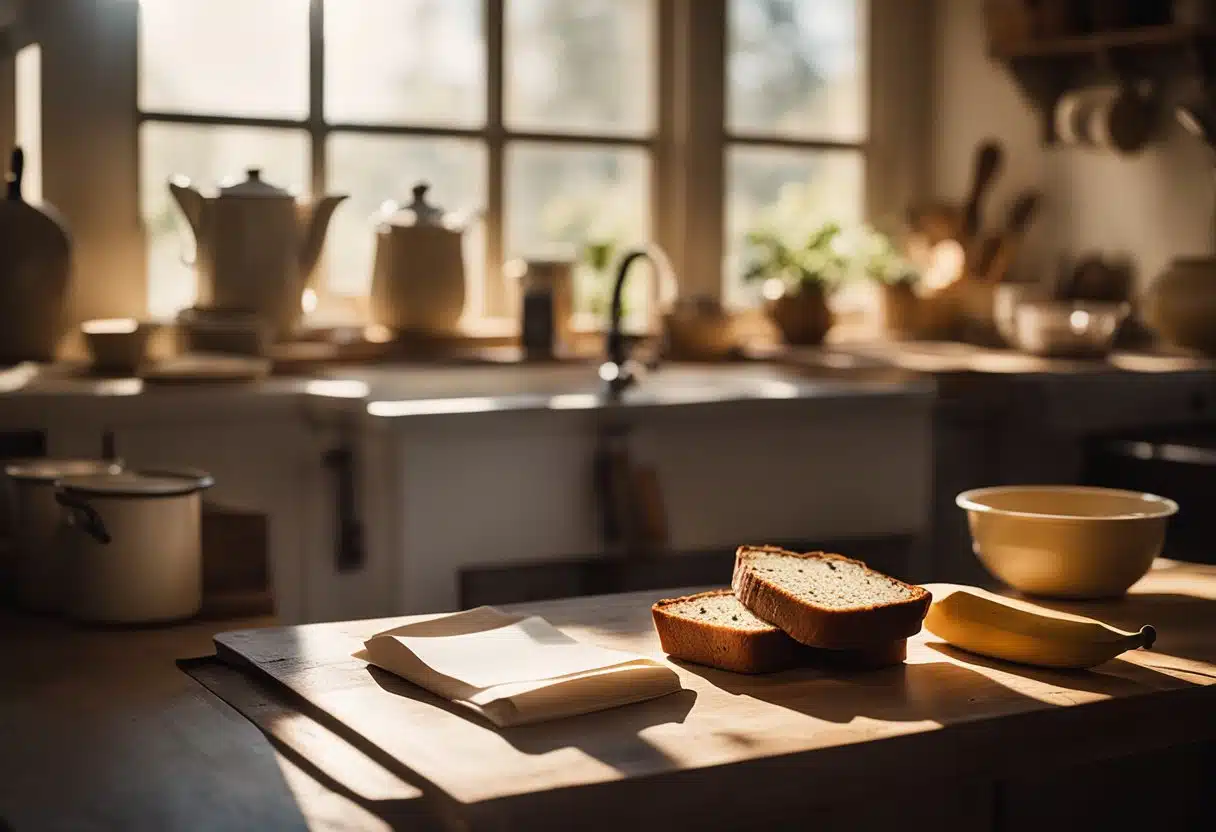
[1066, 541]
[1068, 329]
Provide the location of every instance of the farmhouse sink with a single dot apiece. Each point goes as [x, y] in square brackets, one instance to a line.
[674, 382]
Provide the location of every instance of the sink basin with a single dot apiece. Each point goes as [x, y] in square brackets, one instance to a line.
[671, 382]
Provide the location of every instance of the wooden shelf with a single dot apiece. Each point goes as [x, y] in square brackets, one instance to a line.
[1144, 37]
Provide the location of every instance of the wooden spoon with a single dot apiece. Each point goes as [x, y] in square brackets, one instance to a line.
[1001, 257]
[988, 158]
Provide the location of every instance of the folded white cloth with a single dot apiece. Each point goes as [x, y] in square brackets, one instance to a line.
[515, 669]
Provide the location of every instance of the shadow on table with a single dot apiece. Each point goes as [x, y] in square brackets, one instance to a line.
[265, 704]
[1113, 678]
[1185, 624]
[942, 692]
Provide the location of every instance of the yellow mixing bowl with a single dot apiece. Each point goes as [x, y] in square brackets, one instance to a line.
[1066, 541]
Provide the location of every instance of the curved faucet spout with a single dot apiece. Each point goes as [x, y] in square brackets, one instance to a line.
[615, 372]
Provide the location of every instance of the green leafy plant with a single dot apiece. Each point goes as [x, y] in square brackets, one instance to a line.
[877, 258]
[816, 261]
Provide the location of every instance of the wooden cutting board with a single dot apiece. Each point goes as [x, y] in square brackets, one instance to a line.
[775, 744]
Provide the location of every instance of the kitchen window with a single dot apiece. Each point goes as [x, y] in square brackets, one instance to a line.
[795, 121]
[564, 121]
[539, 113]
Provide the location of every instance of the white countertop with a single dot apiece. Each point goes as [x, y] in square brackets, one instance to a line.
[394, 392]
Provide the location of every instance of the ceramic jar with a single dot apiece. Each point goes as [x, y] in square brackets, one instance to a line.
[418, 279]
[1180, 306]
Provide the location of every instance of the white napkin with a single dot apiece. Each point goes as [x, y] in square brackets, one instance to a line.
[515, 669]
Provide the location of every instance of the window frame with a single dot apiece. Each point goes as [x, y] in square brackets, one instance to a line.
[494, 135]
[91, 112]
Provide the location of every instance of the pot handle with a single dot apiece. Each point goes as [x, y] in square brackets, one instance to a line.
[84, 516]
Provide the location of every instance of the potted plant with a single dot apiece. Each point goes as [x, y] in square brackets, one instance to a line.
[796, 279]
[898, 282]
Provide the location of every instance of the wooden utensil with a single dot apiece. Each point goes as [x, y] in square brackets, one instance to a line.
[1001, 254]
[938, 221]
[988, 159]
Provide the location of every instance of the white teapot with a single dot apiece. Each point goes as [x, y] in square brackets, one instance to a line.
[256, 244]
[418, 279]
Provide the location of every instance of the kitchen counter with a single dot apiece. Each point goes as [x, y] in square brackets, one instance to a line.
[112, 735]
[368, 475]
[429, 389]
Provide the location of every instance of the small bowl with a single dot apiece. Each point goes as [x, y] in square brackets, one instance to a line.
[1067, 329]
[1066, 541]
[117, 345]
[1006, 298]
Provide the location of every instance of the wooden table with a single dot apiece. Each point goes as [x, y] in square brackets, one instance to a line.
[112, 735]
[100, 730]
[964, 742]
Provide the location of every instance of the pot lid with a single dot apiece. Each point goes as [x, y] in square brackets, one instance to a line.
[49, 470]
[255, 186]
[143, 483]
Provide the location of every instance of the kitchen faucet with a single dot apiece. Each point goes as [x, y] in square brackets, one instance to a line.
[618, 372]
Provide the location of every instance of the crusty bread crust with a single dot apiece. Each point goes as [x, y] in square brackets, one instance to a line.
[826, 627]
[702, 642]
[752, 651]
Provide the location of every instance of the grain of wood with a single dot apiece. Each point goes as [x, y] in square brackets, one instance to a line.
[760, 739]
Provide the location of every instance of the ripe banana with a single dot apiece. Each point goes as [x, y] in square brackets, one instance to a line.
[1016, 631]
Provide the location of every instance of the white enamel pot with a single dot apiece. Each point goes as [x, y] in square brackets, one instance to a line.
[136, 550]
[38, 556]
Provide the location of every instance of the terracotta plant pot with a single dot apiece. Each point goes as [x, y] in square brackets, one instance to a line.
[802, 316]
[1181, 305]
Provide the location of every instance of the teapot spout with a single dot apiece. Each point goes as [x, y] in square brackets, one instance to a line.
[314, 223]
[190, 201]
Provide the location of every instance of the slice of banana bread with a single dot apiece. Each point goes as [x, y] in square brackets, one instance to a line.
[827, 601]
[715, 629]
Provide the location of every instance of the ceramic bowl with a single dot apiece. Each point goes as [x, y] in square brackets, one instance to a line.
[116, 345]
[1066, 541]
[1068, 329]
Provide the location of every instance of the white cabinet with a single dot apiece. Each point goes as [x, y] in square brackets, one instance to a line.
[379, 515]
[463, 490]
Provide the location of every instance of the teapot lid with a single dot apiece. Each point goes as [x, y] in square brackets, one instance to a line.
[424, 212]
[418, 213]
[254, 186]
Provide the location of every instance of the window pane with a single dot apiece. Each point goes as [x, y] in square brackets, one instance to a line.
[373, 169]
[405, 62]
[559, 198]
[790, 191]
[796, 68]
[207, 155]
[580, 67]
[224, 57]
